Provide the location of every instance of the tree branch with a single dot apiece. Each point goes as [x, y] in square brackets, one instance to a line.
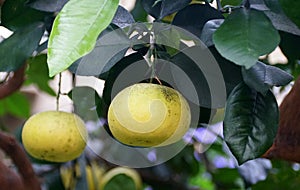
[286, 145]
[28, 178]
[1, 2]
[13, 83]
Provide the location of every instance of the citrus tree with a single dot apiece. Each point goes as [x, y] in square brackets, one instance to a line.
[207, 69]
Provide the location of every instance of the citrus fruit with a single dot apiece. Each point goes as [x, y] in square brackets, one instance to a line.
[69, 175]
[54, 136]
[121, 178]
[146, 115]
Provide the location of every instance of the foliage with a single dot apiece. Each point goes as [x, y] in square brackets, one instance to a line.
[94, 38]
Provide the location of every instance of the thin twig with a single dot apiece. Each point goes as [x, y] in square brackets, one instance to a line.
[13, 83]
[219, 5]
[58, 92]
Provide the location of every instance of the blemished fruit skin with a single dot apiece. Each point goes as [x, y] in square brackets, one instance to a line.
[148, 115]
[54, 136]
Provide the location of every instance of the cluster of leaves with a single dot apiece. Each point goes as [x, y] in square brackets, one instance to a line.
[91, 38]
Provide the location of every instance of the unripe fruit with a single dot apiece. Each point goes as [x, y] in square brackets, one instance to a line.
[54, 136]
[148, 115]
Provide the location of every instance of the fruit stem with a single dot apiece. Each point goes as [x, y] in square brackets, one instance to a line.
[58, 92]
[152, 59]
[158, 80]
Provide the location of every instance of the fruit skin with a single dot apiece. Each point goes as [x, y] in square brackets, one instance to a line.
[93, 171]
[54, 136]
[147, 115]
[119, 171]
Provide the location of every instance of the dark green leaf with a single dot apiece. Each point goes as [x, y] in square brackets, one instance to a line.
[196, 75]
[185, 162]
[171, 6]
[244, 36]
[278, 17]
[47, 5]
[227, 178]
[231, 72]
[185, 18]
[120, 181]
[15, 14]
[85, 100]
[138, 12]
[75, 31]
[116, 70]
[15, 104]
[205, 76]
[163, 34]
[18, 47]
[281, 176]
[231, 2]
[262, 77]
[152, 7]
[289, 45]
[122, 17]
[161, 8]
[110, 47]
[208, 30]
[37, 73]
[250, 123]
[291, 9]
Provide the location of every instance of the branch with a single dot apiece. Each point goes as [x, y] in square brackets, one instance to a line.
[9, 179]
[287, 145]
[1, 2]
[28, 178]
[13, 83]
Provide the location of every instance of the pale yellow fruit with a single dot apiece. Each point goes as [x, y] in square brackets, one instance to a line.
[148, 115]
[54, 136]
[121, 171]
[93, 173]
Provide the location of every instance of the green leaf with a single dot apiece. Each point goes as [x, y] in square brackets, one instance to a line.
[16, 105]
[15, 14]
[47, 5]
[231, 72]
[291, 9]
[208, 30]
[138, 12]
[281, 176]
[231, 2]
[163, 34]
[160, 9]
[75, 31]
[185, 18]
[250, 123]
[228, 178]
[120, 181]
[122, 17]
[289, 45]
[85, 100]
[37, 73]
[116, 70]
[262, 77]
[110, 47]
[18, 47]
[244, 36]
[274, 11]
